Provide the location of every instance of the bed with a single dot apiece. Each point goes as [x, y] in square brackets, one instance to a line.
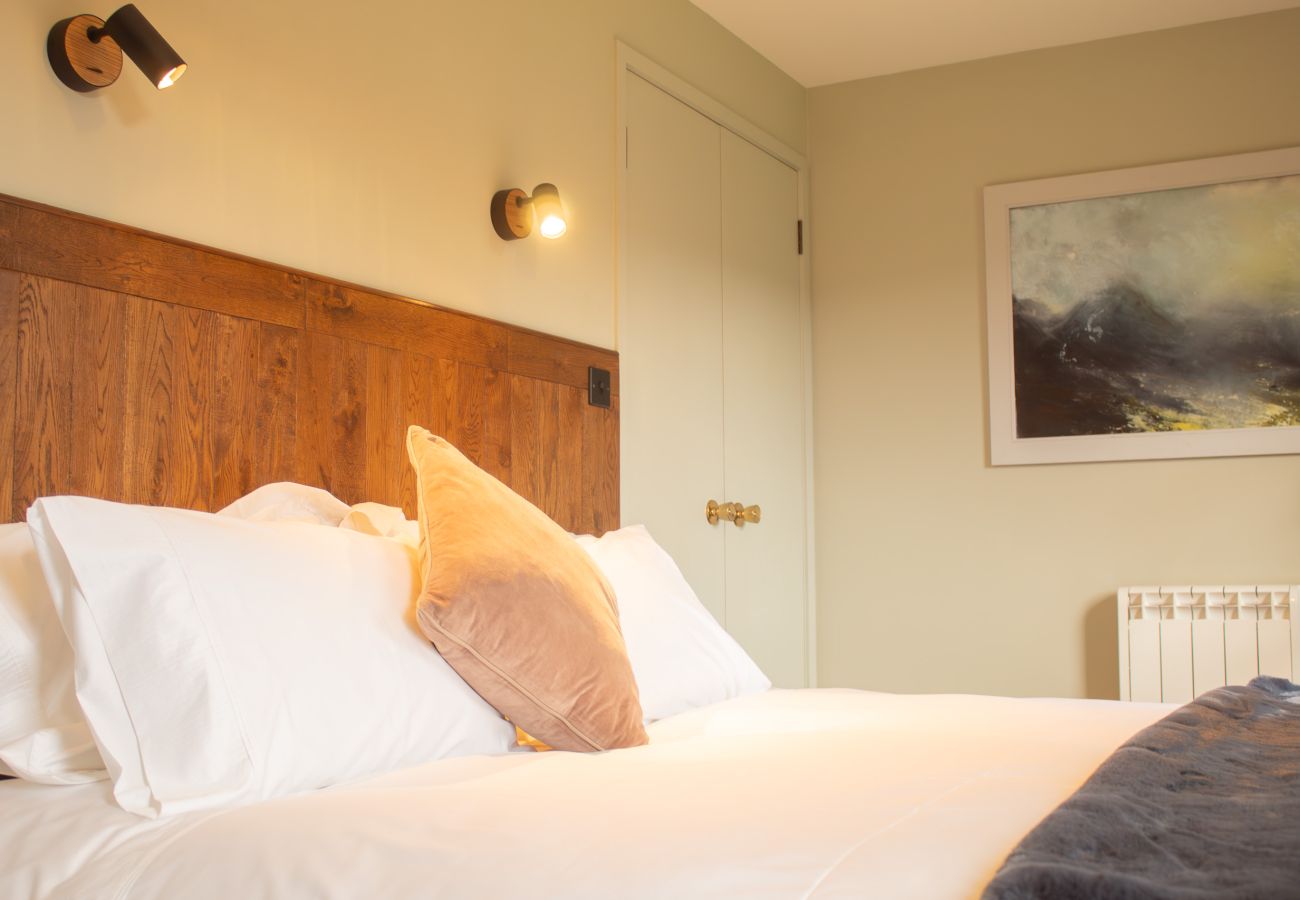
[141, 370]
[784, 794]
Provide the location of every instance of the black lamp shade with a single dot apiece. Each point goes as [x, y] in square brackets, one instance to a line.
[141, 41]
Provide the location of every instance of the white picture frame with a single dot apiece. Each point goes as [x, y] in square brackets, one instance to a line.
[1007, 446]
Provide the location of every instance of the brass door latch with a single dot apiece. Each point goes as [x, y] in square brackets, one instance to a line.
[735, 513]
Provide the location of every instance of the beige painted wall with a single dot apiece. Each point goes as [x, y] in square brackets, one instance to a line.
[936, 572]
[364, 141]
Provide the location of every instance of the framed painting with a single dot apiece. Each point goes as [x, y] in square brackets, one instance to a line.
[1147, 313]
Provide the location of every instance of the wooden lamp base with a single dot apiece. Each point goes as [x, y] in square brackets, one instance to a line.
[512, 214]
[82, 64]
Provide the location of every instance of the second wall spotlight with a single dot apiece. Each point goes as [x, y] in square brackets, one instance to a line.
[514, 213]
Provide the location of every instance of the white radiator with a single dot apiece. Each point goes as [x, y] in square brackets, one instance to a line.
[1176, 643]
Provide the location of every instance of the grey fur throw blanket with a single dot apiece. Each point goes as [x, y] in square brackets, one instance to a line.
[1203, 804]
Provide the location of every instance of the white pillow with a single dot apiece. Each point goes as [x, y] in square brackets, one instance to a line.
[681, 657]
[221, 661]
[43, 735]
[286, 501]
[382, 521]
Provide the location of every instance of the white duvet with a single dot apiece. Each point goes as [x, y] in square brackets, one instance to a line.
[788, 794]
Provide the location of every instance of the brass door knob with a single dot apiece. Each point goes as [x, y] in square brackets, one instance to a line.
[736, 513]
[715, 511]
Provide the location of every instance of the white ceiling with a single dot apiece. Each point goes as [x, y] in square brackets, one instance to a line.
[826, 41]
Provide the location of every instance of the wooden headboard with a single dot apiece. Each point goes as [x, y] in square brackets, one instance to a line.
[145, 369]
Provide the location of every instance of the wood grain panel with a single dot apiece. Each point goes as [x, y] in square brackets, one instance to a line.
[496, 425]
[275, 401]
[313, 408]
[346, 436]
[421, 405]
[42, 446]
[152, 397]
[593, 438]
[549, 458]
[193, 369]
[99, 394]
[568, 448]
[525, 438]
[235, 354]
[8, 385]
[332, 422]
[424, 399]
[447, 380]
[385, 428]
[600, 493]
[559, 454]
[84, 251]
[466, 395]
[555, 359]
[404, 325]
[141, 368]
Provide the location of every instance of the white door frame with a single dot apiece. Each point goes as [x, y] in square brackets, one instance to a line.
[630, 60]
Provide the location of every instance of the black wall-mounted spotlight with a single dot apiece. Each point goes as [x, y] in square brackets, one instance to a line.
[86, 51]
[514, 213]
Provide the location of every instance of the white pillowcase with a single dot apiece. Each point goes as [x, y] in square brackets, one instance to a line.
[43, 735]
[287, 501]
[681, 657]
[221, 660]
[382, 521]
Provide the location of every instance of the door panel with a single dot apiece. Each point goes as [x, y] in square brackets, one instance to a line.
[712, 369]
[670, 334]
[763, 397]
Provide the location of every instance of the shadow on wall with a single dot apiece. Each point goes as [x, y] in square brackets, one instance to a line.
[1101, 650]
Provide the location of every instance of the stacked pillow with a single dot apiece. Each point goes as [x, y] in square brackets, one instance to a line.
[228, 658]
[681, 656]
[43, 735]
[220, 660]
[284, 501]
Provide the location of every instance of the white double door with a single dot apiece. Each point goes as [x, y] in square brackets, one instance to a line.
[712, 371]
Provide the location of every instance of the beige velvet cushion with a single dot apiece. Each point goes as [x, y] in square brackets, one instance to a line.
[518, 608]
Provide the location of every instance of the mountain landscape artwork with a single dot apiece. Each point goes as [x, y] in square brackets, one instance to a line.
[1164, 311]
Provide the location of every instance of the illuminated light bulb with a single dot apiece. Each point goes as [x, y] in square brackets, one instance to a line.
[549, 210]
[552, 226]
[172, 77]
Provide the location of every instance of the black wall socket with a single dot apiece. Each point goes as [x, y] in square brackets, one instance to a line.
[598, 390]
